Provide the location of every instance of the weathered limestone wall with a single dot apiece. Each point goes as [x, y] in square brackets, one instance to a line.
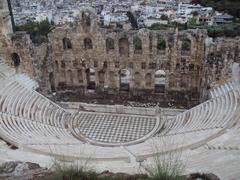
[178, 55]
[15, 48]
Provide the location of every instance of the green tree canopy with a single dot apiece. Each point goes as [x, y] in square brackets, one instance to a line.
[38, 31]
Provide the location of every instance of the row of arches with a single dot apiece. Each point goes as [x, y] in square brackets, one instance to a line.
[123, 44]
[125, 78]
[68, 45]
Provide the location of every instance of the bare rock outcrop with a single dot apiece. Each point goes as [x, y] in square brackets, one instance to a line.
[22, 171]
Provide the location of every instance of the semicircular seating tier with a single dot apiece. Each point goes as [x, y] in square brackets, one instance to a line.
[34, 123]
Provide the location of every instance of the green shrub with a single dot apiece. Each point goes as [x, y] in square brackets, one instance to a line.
[161, 43]
[38, 31]
[229, 30]
[192, 21]
[166, 165]
[62, 171]
[132, 20]
[72, 173]
[156, 26]
[230, 6]
[164, 17]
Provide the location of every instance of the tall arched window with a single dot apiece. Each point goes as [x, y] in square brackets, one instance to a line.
[137, 80]
[52, 81]
[186, 44]
[161, 44]
[101, 78]
[137, 42]
[112, 79]
[123, 47]
[124, 79]
[191, 67]
[148, 80]
[70, 77]
[67, 43]
[160, 81]
[15, 59]
[88, 43]
[90, 74]
[80, 76]
[86, 18]
[109, 44]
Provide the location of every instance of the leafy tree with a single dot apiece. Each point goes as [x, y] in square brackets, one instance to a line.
[156, 26]
[192, 21]
[38, 31]
[230, 30]
[230, 6]
[164, 17]
[132, 20]
[161, 43]
[195, 13]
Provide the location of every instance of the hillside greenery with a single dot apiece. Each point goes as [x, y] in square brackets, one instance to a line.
[38, 31]
[225, 30]
[229, 6]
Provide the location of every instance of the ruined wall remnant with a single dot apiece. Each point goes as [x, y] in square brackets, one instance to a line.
[15, 48]
[127, 61]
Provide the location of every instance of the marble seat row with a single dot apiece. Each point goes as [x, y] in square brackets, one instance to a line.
[221, 162]
[46, 139]
[28, 82]
[221, 90]
[214, 113]
[21, 100]
[5, 70]
[230, 140]
[50, 138]
[213, 124]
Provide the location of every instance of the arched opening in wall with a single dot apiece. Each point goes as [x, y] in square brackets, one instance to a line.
[137, 80]
[161, 44]
[67, 43]
[88, 43]
[171, 80]
[101, 78]
[109, 44]
[15, 59]
[123, 47]
[150, 41]
[191, 67]
[160, 81]
[137, 43]
[70, 77]
[1, 5]
[125, 80]
[148, 80]
[186, 46]
[90, 75]
[57, 66]
[177, 67]
[112, 79]
[80, 76]
[105, 64]
[52, 81]
[86, 18]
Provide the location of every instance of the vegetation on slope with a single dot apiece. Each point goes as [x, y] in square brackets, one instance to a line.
[225, 30]
[229, 6]
[132, 20]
